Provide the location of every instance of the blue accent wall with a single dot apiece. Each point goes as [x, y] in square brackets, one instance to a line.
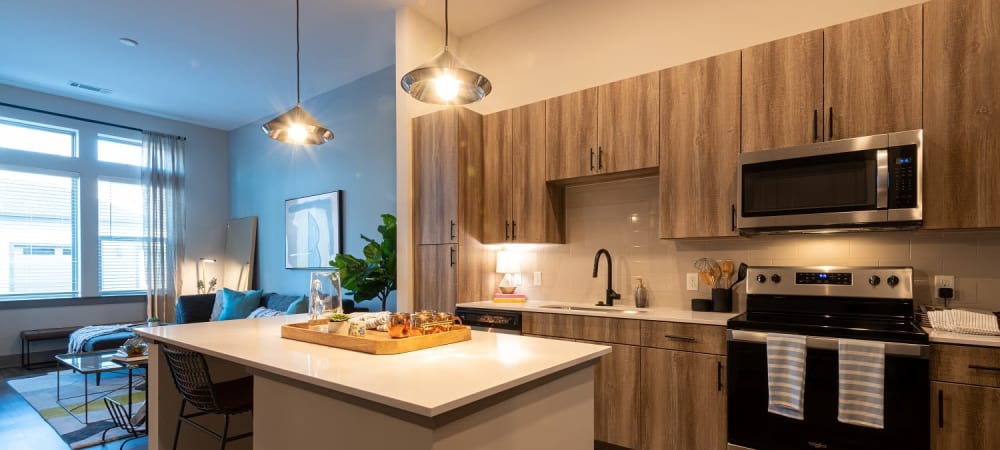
[361, 161]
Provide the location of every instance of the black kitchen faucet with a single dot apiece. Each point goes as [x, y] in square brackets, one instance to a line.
[610, 295]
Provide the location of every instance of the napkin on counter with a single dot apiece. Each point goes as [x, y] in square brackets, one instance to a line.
[964, 322]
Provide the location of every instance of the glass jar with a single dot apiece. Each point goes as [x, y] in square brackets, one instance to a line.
[324, 294]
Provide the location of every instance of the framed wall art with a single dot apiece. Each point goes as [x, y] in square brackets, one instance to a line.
[313, 230]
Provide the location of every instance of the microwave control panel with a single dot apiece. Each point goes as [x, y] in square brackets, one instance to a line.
[903, 177]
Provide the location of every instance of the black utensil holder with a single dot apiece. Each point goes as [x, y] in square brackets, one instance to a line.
[722, 300]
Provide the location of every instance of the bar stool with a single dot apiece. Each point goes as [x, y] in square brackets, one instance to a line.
[190, 373]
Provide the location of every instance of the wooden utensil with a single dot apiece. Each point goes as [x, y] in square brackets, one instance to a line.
[707, 279]
[727, 271]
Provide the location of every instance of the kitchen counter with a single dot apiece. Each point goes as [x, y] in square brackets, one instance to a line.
[662, 314]
[436, 390]
[945, 337]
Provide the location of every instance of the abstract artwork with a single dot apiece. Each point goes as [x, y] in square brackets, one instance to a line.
[313, 230]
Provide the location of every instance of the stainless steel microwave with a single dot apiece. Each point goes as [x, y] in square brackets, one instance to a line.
[860, 183]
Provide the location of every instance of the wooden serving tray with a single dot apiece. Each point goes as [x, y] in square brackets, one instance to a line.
[374, 342]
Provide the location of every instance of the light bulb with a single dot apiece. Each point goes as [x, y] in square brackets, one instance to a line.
[446, 87]
[297, 132]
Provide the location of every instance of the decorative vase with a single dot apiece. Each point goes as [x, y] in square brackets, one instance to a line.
[324, 294]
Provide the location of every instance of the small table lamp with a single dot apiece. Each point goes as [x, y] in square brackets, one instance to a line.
[508, 264]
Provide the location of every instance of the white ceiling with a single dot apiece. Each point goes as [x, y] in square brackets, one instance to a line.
[217, 63]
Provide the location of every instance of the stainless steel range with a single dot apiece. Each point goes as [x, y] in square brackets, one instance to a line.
[826, 304]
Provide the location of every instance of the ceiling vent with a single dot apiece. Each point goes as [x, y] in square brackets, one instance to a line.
[89, 87]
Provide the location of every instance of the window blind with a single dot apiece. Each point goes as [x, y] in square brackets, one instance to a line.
[121, 264]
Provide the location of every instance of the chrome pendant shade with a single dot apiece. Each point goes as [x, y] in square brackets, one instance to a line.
[297, 126]
[445, 79]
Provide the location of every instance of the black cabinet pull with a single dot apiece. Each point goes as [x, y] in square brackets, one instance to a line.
[600, 157]
[978, 367]
[720, 375]
[591, 159]
[733, 216]
[452, 230]
[513, 231]
[680, 338]
[452, 256]
[815, 125]
[506, 231]
[940, 408]
[831, 122]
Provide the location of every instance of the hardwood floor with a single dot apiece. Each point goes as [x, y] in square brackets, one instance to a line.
[22, 428]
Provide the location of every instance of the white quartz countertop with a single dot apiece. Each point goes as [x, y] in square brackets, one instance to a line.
[622, 312]
[427, 382]
[945, 337]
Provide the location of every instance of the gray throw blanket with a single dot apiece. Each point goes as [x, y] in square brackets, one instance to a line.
[78, 339]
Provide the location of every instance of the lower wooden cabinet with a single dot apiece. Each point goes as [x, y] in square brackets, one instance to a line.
[616, 397]
[964, 417]
[683, 404]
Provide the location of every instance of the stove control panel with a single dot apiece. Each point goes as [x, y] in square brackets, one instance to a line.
[872, 282]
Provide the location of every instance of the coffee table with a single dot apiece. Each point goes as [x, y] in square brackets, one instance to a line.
[92, 363]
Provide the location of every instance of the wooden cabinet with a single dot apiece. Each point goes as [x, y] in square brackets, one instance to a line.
[854, 79]
[965, 364]
[588, 328]
[961, 105]
[683, 404]
[782, 85]
[872, 70]
[613, 128]
[699, 147]
[447, 176]
[518, 204]
[616, 397]
[964, 417]
[447, 208]
[683, 336]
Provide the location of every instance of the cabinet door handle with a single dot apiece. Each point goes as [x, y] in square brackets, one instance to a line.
[680, 338]
[452, 230]
[506, 231]
[719, 372]
[815, 125]
[831, 122]
[940, 408]
[733, 216]
[513, 230]
[978, 367]
[452, 256]
[600, 157]
[591, 159]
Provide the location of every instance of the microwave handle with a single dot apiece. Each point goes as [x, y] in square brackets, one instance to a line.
[882, 179]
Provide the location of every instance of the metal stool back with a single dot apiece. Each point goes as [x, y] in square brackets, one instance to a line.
[190, 373]
[119, 414]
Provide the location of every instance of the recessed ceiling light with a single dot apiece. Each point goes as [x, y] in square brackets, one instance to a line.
[128, 42]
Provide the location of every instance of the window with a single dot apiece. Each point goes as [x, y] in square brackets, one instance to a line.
[119, 150]
[36, 138]
[38, 230]
[121, 265]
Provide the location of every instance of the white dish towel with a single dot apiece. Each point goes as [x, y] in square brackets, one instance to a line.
[965, 322]
[786, 374]
[862, 383]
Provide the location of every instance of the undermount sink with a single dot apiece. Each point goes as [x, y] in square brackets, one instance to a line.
[592, 309]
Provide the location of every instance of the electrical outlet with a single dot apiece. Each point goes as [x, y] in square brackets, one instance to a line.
[945, 281]
[692, 281]
[538, 278]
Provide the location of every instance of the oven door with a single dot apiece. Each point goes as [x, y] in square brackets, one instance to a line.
[907, 405]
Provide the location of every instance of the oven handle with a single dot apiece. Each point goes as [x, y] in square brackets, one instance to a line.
[921, 351]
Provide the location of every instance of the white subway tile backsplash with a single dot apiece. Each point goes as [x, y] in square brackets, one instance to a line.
[622, 217]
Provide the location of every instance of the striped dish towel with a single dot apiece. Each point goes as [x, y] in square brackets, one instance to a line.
[862, 383]
[965, 322]
[786, 374]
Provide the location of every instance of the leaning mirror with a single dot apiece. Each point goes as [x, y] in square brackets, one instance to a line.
[241, 241]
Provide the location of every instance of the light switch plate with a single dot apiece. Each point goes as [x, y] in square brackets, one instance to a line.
[538, 278]
[692, 281]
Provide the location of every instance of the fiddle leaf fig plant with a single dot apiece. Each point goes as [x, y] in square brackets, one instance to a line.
[374, 274]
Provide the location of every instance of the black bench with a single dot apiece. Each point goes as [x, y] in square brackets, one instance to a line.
[42, 334]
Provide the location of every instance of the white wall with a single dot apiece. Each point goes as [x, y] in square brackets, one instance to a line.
[207, 212]
[564, 46]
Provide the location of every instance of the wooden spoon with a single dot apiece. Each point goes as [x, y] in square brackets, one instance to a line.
[727, 271]
[707, 279]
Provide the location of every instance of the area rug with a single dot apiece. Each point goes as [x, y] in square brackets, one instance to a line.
[40, 392]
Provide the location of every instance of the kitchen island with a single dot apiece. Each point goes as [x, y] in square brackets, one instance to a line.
[492, 392]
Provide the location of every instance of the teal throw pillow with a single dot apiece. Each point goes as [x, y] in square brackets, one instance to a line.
[238, 305]
[299, 306]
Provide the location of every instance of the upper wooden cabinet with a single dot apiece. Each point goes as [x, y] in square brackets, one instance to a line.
[872, 74]
[447, 176]
[962, 109]
[608, 129]
[855, 79]
[518, 205]
[782, 84]
[699, 147]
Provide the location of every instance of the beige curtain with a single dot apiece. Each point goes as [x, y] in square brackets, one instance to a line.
[163, 219]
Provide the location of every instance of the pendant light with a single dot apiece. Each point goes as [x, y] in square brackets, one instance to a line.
[445, 79]
[297, 126]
